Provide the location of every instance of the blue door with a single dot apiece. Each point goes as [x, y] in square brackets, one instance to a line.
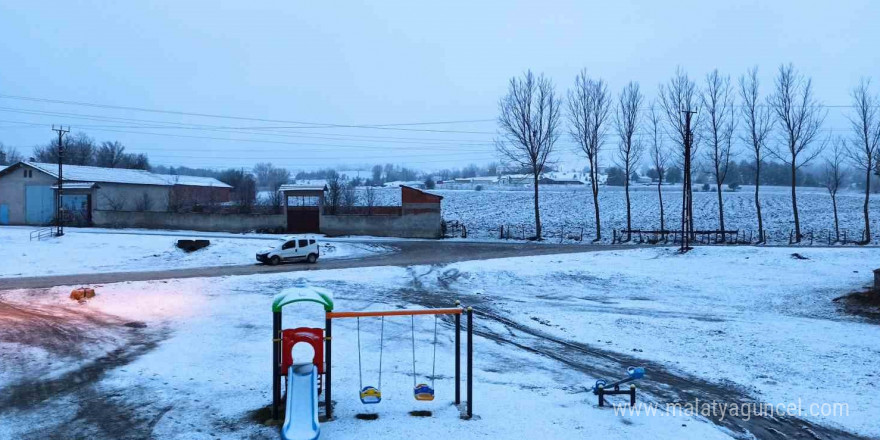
[39, 205]
[4, 214]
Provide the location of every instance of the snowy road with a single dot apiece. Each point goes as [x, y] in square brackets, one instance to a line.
[404, 253]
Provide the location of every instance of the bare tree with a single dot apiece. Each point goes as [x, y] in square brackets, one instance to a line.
[799, 116]
[630, 148]
[589, 106]
[529, 125]
[110, 155]
[718, 125]
[680, 98]
[144, 202]
[116, 203]
[659, 154]
[834, 178]
[864, 146]
[759, 124]
[370, 198]
[9, 155]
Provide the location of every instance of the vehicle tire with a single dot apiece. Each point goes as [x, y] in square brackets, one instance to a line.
[312, 259]
[274, 260]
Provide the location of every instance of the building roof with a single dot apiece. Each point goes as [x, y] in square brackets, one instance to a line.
[298, 187]
[81, 173]
[76, 185]
[3, 167]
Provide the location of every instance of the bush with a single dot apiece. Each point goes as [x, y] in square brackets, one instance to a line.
[478, 188]
[733, 186]
[706, 187]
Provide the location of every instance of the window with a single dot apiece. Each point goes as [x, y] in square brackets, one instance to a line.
[289, 244]
[303, 243]
[311, 241]
[302, 201]
[28, 174]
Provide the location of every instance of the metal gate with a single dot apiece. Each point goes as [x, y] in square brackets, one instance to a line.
[303, 219]
[39, 205]
[4, 214]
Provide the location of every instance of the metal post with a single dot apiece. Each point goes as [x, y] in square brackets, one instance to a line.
[328, 344]
[470, 363]
[632, 395]
[457, 358]
[601, 392]
[59, 223]
[276, 363]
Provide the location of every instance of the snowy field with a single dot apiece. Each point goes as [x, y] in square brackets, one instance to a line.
[89, 250]
[191, 358]
[570, 208]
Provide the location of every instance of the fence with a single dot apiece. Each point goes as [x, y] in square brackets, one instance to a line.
[579, 233]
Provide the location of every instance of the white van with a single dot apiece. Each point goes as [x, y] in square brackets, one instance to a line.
[299, 248]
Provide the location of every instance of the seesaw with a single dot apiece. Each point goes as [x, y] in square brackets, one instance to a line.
[601, 388]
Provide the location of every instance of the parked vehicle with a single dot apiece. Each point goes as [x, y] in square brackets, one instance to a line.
[299, 248]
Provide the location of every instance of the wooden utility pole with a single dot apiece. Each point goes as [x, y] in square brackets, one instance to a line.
[59, 221]
[687, 213]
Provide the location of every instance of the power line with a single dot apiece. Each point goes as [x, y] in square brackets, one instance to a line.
[225, 129]
[303, 124]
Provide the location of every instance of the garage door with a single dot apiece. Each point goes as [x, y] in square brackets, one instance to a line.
[39, 205]
[303, 219]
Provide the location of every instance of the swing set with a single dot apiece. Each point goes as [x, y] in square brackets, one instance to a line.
[284, 340]
[421, 391]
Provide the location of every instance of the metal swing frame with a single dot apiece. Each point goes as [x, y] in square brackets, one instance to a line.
[323, 297]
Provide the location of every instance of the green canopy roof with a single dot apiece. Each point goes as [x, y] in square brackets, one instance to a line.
[318, 295]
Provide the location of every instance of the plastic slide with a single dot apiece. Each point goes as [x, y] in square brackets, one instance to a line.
[301, 414]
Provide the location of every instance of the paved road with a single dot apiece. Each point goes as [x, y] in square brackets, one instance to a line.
[407, 253]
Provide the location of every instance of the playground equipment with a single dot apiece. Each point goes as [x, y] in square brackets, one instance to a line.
[370, 395]
[306, 381]
[633, 373]
[422, 391]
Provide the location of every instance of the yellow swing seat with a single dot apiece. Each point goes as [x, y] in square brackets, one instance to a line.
[370, 395]
[423, 392]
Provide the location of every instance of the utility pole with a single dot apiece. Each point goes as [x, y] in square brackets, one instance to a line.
[59, 221]
[687, 213]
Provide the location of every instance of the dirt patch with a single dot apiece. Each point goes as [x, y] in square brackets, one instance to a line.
[60, 330]
[865, 304]
[370, 416]
[421, 413]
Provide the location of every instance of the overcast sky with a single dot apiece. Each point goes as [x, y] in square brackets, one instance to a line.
[279, 64]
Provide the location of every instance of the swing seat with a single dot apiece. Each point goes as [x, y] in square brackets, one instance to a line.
[423, 392]
[370, 395]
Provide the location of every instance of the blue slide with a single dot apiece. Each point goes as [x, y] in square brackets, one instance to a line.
[301, 414]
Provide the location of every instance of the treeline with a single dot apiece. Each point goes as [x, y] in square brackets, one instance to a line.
[738, 173]
[80, 149]
[696, 126]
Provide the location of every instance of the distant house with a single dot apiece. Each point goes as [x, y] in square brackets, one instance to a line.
[482, 180]
[399, 183]
[28, 192]
[516, 179]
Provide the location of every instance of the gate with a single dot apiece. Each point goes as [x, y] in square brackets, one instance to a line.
[303, 219]
[39, 205]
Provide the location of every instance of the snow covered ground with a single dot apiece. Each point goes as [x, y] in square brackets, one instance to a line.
[570, 209]
[191, 358]
[102, 250]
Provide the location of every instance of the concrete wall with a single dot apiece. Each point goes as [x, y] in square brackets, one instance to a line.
[122, 197]
[190, 221]
[12, 191]
[426, 225]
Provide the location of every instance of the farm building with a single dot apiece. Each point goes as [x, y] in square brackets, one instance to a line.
[28, 192]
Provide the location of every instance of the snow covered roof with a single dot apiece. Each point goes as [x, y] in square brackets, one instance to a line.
[177, 179]
[76, 185]
[298, 187]
[122, 175]
[3, 167]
